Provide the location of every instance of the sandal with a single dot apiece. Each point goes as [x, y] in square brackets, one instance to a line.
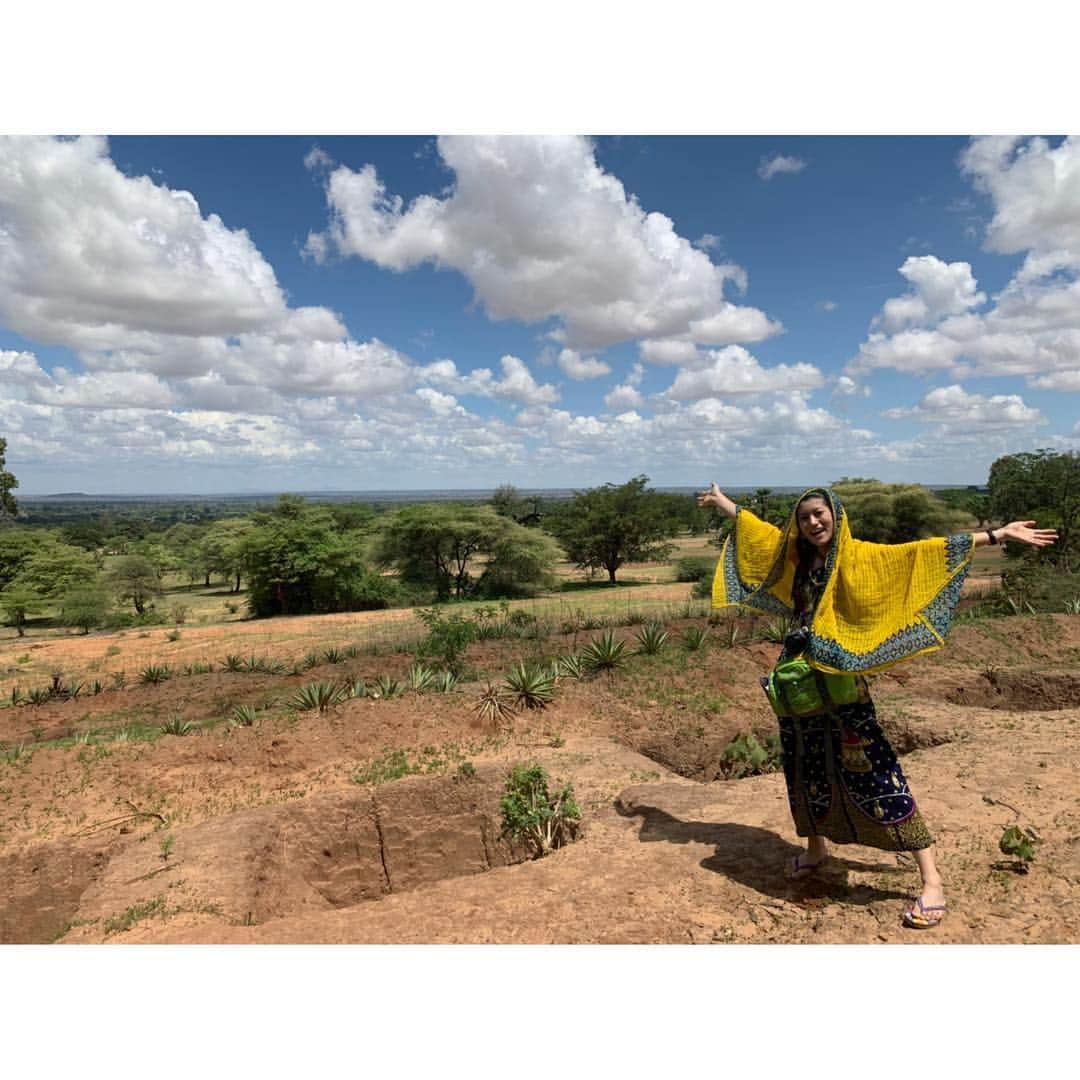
[798, 870]
[919, 917]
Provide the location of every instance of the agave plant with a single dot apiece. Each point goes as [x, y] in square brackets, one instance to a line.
[570, 667]
[1072, 607]
[39, 695]
[176, 725]
[243, 716]
[604, 653]
[318, 695]
[311, 660]
[530, 687]
[494, 705]
[419, 678]
[651, 638]
[386, 687]
[357, 688]
[74, 689]
[774, 632]
[333, 656]
[694, 637]
[232, 662]
[155, 673]
[446, 681]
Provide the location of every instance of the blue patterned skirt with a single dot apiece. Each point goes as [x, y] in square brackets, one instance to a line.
[844, 781]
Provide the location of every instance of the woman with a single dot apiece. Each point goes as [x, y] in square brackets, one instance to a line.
[854, 608]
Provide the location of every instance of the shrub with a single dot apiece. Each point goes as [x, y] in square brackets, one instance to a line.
[448, 638]
[532, 814]
[695, 568]
[1020, 844]
[746, 756]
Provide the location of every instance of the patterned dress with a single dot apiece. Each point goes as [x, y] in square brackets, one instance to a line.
[843, 778]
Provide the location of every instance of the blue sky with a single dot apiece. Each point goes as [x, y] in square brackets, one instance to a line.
[208, 314]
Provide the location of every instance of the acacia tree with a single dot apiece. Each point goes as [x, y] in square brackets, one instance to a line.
[608, 526]
[298, 560]
[1044, 485]
[441, 545]
[18, 603]
[137, 579]
[895, 513]
[8, 506]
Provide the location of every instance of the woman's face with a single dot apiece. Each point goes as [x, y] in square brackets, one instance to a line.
[815, 522]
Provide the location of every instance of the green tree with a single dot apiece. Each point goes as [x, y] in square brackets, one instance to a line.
[16, 546]
[54, 568]
[1043, 486]
[18, 603]
[895, 513]
[297, 560]
[221, 549]
[9, 508]
[607, 526]
[441, 545]
[135, 578]
[85, 606]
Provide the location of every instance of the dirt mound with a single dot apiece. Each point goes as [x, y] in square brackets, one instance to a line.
[1018, 690]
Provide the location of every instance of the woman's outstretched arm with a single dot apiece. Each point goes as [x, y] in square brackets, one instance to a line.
[1020, 531]
[715, 497]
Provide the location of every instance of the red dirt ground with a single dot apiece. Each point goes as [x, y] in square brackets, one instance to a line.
[262, 833]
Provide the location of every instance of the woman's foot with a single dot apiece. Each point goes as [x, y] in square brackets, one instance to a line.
[929, 909]
[806, 862]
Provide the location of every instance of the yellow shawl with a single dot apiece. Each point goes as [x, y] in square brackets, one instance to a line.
[882, 603]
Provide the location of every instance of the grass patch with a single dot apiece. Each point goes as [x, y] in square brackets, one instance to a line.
[136, 913]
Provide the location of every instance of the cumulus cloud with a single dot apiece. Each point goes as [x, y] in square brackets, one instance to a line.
[540, 231]
[849, 388]
[1035, 188]
[573, 364]
[940, 289]
[733, 372]
[91, 258]
[626, 396]
[517, 383]
[20, 368]
[958, 412]
[779, 164]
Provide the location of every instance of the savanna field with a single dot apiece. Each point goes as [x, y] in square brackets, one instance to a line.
[344, 777]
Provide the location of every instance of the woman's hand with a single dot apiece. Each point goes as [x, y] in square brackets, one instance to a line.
[1024, 533]
[715, 497]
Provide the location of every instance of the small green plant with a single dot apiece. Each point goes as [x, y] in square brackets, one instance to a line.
[39, 695]
[448, 638]
[333, 656]
[155, 673]
[393, 765]
[494, 705]
[446, 682]
[386, 687]
[694, 637]
[651, 638]
[358, 688]
[419, 678]
[119, 680]
[745, 755]
[465, 771]
[176, 725]
[243, 716]
[604, 653]
[570, 667]
[532, 814]
[96, 687]
[166, 847]
[774, 632]
[318, 695]
[530, 687]
[1019, 844]
[73, 689]
[14, 753]
[311, 660]
[232, 662]
[1072, 607]
[134, 914]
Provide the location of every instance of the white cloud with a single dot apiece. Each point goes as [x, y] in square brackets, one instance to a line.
[733, 371]
[847, 388]
[573, 364]
[540, 231]
[779, 164]
[940, 289]
[1035, 188]
[92, 258]
[734, 325]
[958, 412]
[679, 351]
[20, 368]
[623, 398]
[517, 383]
[828, 305]
[708, 242]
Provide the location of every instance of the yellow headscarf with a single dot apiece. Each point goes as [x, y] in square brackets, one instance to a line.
[882, 603]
